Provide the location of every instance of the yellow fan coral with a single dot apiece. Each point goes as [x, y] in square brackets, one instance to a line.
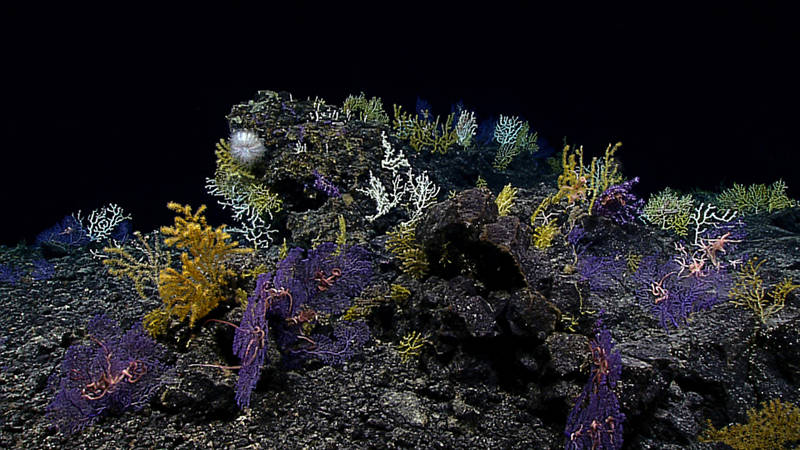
[200, 285]
[769, 428]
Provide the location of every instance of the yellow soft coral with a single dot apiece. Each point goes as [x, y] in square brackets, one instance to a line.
[770, 428]
[200, 285]
[143, 269]
[505, 199]
[749, 291]
[425, 134]
[410, 347]
[403, 244]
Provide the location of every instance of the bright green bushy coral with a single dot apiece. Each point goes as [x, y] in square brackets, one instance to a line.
[424, 134]
[669, 210]
[755, 198]
[524, 141]
[366, 110]
[775, 425]
[238, 185]
[230, 173]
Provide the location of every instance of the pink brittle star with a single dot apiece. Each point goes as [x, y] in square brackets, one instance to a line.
[661, 293]
[326, 282]
[275, 294]
[309, 340]
[260, 341]
[261, 337]
[610, 420]
[304, 316]
[618, 196]
[712, 246]
[695, 267]
[105, 384]
[576, 434]
[600, 360]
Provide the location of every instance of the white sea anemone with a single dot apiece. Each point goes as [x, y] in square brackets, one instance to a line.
[246, 146]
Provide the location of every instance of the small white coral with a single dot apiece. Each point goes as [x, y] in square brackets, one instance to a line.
[102, 222]
[246, 146]
[507, 129]
[466, 128]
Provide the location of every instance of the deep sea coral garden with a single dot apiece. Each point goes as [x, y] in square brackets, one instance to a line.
[641, 323]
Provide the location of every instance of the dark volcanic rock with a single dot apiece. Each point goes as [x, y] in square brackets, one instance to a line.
[569, 351]
[466, 233]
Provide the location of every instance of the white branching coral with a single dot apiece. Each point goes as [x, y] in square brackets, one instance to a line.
[422, 194]
[393, 160]
[253, 222]
[705, 216]
[507, 129]
[384, 201]
[102, 221]
[419, 191]
[466, 127]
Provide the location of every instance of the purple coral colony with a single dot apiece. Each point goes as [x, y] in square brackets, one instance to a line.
[316, 299]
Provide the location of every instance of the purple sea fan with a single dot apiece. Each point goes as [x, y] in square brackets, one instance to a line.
[250, 345]
[575, 236]
[326, 280]
[348, 337]
[69, 233]
[122, 233]
[9, 274]
[114, 373]
[246, 147]
[335, 275]
[596, 421]
[601, 272]
[304, 284]
[619, 204]
[672, 297]
[289, 278]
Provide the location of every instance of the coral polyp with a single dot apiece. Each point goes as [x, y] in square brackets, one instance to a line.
[246, 147]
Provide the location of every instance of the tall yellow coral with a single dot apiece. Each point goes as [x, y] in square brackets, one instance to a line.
[200, 285]
[425, 134]
[749, 291]
[579, 182]
[142, 270]
[770, 428]
[505, 199]
[403, 244]
[410, 347]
